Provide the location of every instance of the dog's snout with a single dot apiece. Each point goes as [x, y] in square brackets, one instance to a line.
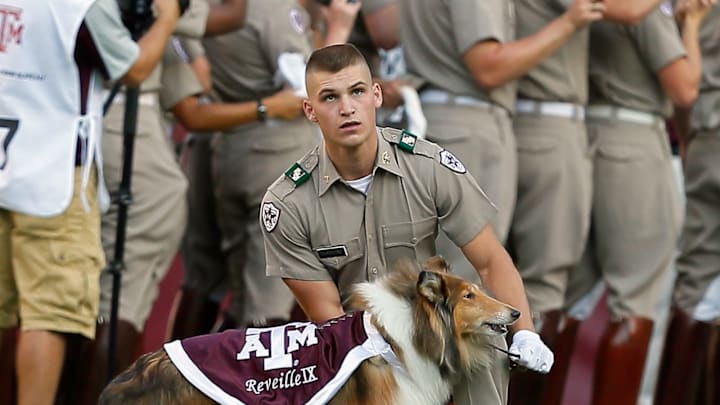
[515, 314]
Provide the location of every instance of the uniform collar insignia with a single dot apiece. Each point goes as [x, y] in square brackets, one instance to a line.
[297, 174]
[407, 141]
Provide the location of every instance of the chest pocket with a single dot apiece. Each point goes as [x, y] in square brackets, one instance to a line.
[409, 240]
[339, 255]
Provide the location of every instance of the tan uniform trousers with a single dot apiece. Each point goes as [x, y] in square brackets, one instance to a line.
[156, 217]
[636, 217]
[482, 138]
[205, 265]
[552, 214]
[488, 386]
[699, 262]
[245, 162]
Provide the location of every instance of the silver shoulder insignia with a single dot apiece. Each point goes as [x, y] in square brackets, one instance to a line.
[449, 160]
[270, 216]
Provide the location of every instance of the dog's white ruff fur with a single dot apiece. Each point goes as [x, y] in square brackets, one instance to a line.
[420, 382]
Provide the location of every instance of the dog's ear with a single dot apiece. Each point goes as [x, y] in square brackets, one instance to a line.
[430, 286]
[437, 263]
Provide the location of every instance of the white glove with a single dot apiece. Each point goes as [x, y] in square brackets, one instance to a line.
[417, 123]
[534, 354]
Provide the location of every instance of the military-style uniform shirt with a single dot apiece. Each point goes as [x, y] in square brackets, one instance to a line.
[436, 34]
[316, 227]
[561, 76]
[193, 22]
[625, 61]
[193, 48]
[178, 78]
[706, 112]
[244, 62]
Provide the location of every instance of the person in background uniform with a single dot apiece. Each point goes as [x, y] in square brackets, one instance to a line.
[207, 19]
[636, 213]
[691, 359]
[554, 191]
[466, 53]
[390, 191]
[245, 159]
[204, 285]
[155, 223]
[50, 250]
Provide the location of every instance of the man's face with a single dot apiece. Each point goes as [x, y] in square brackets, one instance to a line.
[343, 104]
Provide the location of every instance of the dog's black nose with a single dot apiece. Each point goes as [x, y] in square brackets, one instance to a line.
[515, 314]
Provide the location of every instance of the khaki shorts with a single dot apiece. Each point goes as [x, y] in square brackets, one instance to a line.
[49, 267]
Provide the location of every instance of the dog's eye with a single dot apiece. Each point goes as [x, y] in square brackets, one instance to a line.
[469, 296]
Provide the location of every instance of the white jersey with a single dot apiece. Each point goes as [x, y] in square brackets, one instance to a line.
[40, 115]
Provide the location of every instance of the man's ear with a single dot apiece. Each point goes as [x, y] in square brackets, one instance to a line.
[377, 92]
[309, 111]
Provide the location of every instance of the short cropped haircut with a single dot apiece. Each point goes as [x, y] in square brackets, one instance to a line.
[334, 58]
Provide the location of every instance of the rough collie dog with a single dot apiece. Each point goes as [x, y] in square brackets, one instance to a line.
[413, 334]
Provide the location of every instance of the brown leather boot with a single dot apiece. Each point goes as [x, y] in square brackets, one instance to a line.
[526, 386]
[193, 314]
[562, 349]
[712, 369]
[686, 348]
[8, 385]
[621, 361]
[92, 374]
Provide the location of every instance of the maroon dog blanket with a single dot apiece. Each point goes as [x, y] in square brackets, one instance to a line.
[297, 363]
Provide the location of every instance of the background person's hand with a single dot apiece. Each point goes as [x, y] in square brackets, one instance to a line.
[341, 12]
[583, 12]
[284, 105]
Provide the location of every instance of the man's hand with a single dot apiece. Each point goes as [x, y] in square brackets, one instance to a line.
[693, 11]
[583, 12]
[533, 353]
[284, 105]
[341, 12]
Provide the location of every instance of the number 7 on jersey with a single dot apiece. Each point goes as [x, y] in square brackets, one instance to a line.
[8, 128]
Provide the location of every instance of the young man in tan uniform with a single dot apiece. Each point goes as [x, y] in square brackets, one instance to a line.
[692, 338]
[466, 54]
[368, 197]
[636, 213]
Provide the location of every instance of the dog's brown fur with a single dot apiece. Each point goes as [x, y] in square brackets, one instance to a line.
[448, 313]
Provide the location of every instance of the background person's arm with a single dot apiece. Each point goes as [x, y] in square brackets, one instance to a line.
[152, 44]
[197, 116]
[493, 63]
[225, 17]
[382, 26]
[680, 79]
